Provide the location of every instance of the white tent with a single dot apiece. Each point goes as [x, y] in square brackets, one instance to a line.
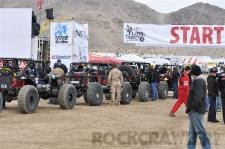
[220, 60]
[132, 58]
[158, 61]
[205, 59]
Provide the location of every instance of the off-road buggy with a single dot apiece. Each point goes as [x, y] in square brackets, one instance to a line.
[18, 82]
[165, 83]
[137, 74]
[90, 80]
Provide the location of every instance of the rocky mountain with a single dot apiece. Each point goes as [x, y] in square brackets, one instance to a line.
[199, 13]
[106, 18]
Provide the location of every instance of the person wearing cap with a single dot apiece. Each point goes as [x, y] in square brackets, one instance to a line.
[221, 86]
[59, 64]
[196, 110]
[183, 91]
[212, 94]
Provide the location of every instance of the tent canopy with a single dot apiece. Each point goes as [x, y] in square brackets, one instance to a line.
[132, 58]
[113, 55]
[158, 61]
[191, 60]
[103, 60]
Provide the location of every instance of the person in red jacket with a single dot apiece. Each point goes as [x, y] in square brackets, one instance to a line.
[183, 91]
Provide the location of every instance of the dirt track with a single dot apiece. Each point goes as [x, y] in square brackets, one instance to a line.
[139, 125]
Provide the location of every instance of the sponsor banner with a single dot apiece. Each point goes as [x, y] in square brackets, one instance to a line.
[15, 32]
[80, 52]
[61, 33]
[174, 35]
[61, 42]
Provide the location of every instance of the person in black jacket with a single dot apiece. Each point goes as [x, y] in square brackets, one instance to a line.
[221, 86]
[59, 64]
[154, 77]
[196, 110]
[47, 68]
[31, 70]
[175, 77]
[212, 94]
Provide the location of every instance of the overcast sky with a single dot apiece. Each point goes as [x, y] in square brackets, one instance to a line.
[165, 6]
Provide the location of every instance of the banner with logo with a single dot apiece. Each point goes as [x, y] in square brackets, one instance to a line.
[61, 45]
[80, 53]
[174, 35]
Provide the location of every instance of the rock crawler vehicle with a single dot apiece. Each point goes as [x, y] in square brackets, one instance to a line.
[17, 82]
[90, 80]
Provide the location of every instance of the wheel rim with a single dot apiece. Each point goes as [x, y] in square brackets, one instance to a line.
[97, 95]
[146, 94]
[165, 92]
[127, 95]
[70, 98]
[31, 101]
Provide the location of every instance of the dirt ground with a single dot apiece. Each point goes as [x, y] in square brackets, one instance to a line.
[138, 125]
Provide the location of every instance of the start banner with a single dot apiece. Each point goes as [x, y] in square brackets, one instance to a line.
[174, 35]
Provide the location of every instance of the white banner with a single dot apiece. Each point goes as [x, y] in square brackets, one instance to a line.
[80, 53]
[61, 43]
[15, 32]
[174, 35]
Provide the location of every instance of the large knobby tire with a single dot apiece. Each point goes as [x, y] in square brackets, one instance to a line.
[163, 90]
[94, 94]
[144, 92]
[1, 102]
[28, 99]
[67, 96]
[129, 70]
[126, 94]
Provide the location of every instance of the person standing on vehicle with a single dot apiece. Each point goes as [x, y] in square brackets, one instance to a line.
[175, 77]
[183, 91]
[221, 86]
[115, 80]
[31, 70]
[59, 64]
[196, 110]
[47, 68]
[212, 94]
[154, 83]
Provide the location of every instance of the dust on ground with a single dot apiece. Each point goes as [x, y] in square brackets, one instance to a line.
[138, 125]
